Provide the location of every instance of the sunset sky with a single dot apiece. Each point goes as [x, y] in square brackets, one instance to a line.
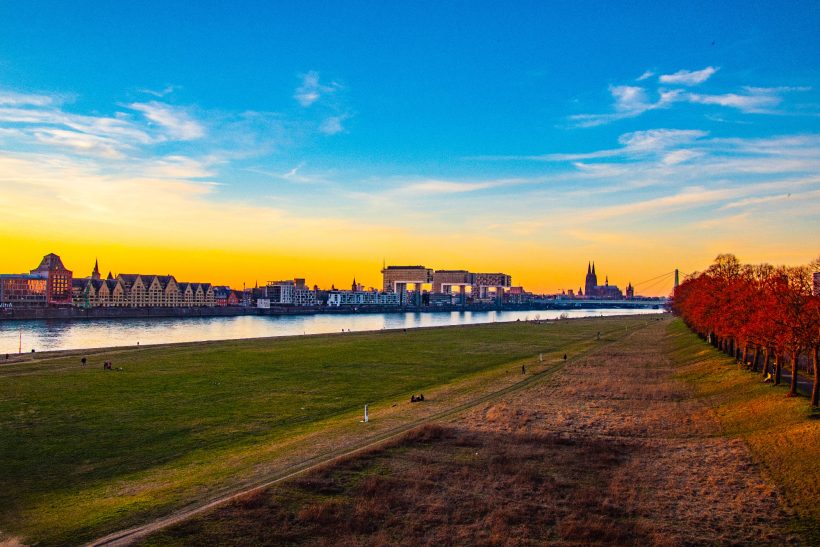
[239, 142]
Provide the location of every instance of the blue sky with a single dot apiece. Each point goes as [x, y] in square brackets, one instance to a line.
[644, 135]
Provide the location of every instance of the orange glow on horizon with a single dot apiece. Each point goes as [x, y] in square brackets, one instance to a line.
[240, 267]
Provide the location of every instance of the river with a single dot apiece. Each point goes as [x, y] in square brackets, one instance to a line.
[95, 333]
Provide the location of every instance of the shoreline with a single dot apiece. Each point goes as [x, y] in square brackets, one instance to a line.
[20, 358]
[87, 314]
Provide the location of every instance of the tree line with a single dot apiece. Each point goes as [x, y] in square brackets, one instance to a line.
[765, 316]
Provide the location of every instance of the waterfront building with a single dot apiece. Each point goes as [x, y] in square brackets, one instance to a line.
[630, 291]
[396, 278]
[58, 280]
[23, 290]
[439, 299]
[163, 291]
[517, 295]
[290, 293]
[445, 280]
[373, 297]
[225, 296]
[49, 284]
[483, 283]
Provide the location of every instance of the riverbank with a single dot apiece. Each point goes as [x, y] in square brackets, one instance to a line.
[86, 451]
[46, 336]
[74, 313]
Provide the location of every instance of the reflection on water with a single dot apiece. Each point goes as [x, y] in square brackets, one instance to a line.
[58, 335]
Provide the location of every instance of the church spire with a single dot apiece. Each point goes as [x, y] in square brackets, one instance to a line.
[593, 268]
[589, 268]
[96, 273]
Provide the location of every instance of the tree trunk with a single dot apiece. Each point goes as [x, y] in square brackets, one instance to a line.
[793, 383]
[754, 359]
[745, 352]
[815, 388]
[767, 358]
[778, 366]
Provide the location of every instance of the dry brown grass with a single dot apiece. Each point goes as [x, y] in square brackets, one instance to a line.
[613, 450]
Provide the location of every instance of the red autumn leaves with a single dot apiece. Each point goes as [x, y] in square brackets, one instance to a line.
[762, 315]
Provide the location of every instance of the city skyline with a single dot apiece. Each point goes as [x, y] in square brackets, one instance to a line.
[240, 142]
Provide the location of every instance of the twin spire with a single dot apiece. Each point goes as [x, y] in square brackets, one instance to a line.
[590, 268]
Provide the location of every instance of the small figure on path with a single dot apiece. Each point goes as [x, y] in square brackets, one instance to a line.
[599, 335]
[413, 399]
[421, 397]
[523, 369]
[83, 361]
[565, 357]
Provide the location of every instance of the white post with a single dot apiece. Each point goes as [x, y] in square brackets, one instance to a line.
[365, 414]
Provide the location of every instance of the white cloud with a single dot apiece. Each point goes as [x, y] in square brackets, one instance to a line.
[436, 187]
[177, 123]
[688, 77]
[658, 139]
[167, 90]
[312, 89]
[632, 101]
[332, 125]
[81, 142]
[11, 98]
[629, 98]
[760, 103]
[645, 76]
[629, 102]
[679, 156]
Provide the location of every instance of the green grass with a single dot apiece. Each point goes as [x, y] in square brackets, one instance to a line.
[85, 451]
[783, 434]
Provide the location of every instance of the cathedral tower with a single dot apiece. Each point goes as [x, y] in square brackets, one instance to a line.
[591, 280]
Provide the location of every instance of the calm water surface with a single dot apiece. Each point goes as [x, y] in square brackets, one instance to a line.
[59, 335]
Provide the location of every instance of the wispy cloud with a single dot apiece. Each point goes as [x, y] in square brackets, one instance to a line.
[311, 89]
[167, 90]
[11, 98]
[630, 101]
[332, 124]
[176, 121]
[688, 77]
[652, 140]
[80, 142]
[633, 143]
[751, 103]
[645, 76]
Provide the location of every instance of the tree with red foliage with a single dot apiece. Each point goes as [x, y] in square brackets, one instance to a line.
[771, 310]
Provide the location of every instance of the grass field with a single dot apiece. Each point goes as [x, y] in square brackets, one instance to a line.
[85, 451]
[783, 434]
